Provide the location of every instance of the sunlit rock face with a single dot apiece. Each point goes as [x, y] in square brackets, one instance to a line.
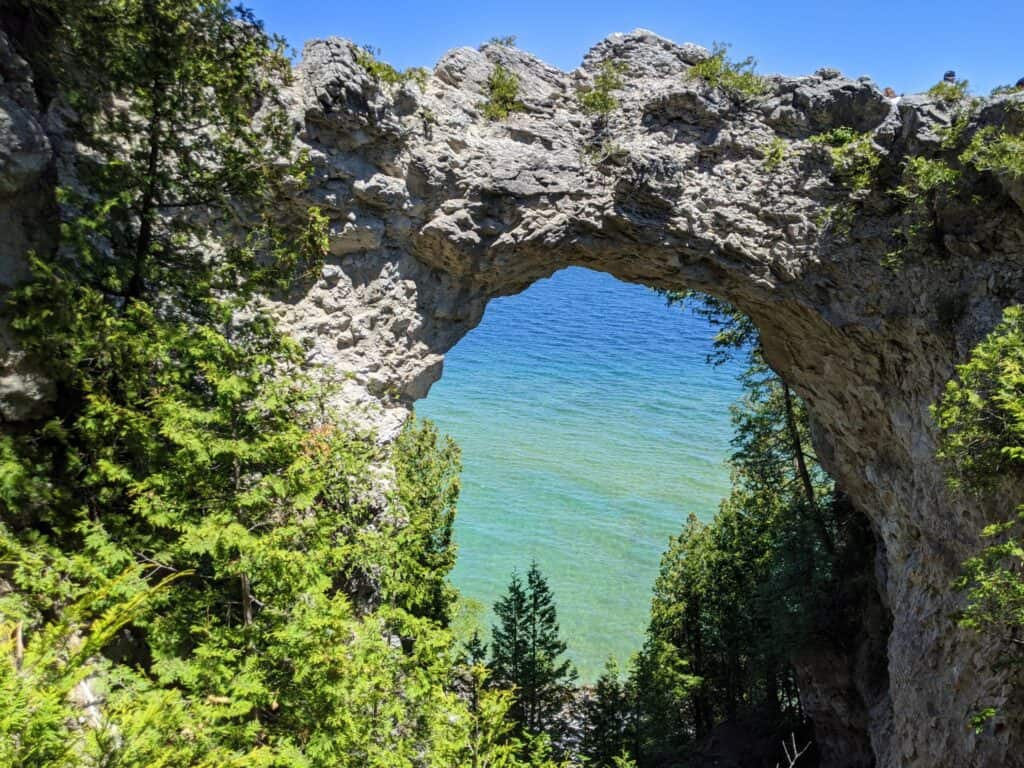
[435, 210]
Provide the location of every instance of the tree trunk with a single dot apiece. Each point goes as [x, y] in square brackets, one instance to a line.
[246, 600]
[804, 474]
[148, 204]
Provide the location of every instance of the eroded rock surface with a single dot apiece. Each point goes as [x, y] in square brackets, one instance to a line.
[435, 210]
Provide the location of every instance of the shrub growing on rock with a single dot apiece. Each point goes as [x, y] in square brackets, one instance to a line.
[736, 78]
[502, 94]
[599, 100]
[854, 156]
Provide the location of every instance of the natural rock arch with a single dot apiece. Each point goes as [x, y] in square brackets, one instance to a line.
[435, 211]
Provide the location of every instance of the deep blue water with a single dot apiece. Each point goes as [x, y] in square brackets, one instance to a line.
[591, 426]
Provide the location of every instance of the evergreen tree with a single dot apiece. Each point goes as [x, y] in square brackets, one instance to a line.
[191, 535]
[475, 650]
[525, 651]
[606, 714]
[510, 644]
[736, 598]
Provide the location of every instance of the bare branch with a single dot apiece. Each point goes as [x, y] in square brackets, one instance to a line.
[792, 752]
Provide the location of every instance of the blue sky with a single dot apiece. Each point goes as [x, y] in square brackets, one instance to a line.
[906, 45]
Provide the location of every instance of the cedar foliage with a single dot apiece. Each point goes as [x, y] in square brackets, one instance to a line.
[738, 79]
[778, 569]
[194, 540]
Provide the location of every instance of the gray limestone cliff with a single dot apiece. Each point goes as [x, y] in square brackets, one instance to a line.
[435, 210]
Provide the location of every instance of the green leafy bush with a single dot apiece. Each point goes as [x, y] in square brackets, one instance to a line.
[736, 78]
[950, 93]
[996, 150]
[923, 181]
[502, 94]
[505, 41]
[854, 156]
[981, 420]
[981, 412]
[775, 153]
[1003, 90]
[923, 176]
[599, 100]
[381, 71]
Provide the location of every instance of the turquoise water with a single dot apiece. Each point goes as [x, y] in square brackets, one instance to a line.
[591, 426]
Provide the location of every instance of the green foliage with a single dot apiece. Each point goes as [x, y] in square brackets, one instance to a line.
[950, 93]
[996, 150]
[735, 332]
[525, 653]
[837, 219]
[154, 57]
[775, 153]
[606, 152]
[953, 134]
[502, 94]
[1004, 90]
[994, 583]
[427, 468]
[736, 78]
[854, 156]
[981, 412]
[736, 598]
[598, 100]
[194, 530]
[367, 57]
[924, 181]
[925, 176]
[981, 418]
[606, 732]
[492, 741]
[505, 41]
[44, 671]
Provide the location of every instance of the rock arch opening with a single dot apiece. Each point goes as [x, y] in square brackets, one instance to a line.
[591, 426]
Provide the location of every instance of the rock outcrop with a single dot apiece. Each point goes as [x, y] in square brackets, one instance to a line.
[435, 210]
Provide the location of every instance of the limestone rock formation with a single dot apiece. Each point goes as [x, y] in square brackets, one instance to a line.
[435, 210]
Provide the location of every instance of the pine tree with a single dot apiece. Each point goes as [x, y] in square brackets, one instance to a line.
[475, 650]
[606, 718]
[526, 650]
[509, 645]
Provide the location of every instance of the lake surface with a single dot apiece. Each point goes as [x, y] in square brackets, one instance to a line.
[591, 426]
